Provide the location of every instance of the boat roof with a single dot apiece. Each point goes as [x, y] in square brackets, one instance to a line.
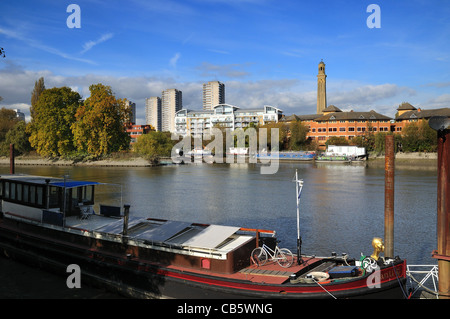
[167, 232]
[54, 181]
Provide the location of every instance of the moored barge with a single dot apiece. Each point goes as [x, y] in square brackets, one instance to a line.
[52, 223]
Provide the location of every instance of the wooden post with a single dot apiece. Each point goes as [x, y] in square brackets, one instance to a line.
[442, 126]
[389, 173]
[11, 159]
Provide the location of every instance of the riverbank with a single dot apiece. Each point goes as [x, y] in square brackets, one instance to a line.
[36, 161]
[401, 158]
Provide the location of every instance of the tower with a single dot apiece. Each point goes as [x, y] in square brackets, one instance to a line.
[321, 89]
[153, 112]
[213, 94]
[171, 102]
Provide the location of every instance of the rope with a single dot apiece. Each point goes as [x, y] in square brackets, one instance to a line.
[324, 288]
[399, 283]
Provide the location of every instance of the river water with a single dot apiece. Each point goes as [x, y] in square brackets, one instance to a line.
[341, 207]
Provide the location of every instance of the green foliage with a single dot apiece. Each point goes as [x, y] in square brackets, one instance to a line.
[8, 120]
[39, 87]
[154, 145]
[17, 136]
[418, 137]
[297, 140]
[52, 118]
[337, 140]
[99, 128]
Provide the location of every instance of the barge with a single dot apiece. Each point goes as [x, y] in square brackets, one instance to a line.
[53, 223]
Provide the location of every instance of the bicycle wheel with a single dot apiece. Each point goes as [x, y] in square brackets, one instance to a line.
[284, 257]
[259, 256]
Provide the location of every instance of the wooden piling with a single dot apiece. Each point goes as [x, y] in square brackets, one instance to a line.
[389, 173]
[442, 126]
[11, 159]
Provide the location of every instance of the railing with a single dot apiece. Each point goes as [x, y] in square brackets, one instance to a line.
[421, 278]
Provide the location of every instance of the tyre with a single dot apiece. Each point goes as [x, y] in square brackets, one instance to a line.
[284, 257]
[259, 256]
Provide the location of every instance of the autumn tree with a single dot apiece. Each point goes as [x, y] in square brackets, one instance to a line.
[39, 87]
[8, 119]
[100, 123]
[51, 121]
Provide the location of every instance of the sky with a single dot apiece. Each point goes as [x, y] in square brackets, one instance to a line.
[266, 52]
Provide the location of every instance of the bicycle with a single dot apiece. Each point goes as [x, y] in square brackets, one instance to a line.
[282, 256]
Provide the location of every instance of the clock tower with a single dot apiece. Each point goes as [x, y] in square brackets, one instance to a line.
[321, 89]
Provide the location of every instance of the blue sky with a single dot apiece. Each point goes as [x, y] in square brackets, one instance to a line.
[265, 51]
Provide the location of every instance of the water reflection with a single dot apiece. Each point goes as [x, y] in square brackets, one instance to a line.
[342, 206]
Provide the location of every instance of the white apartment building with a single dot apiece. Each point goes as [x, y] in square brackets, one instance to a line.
[153, 112]
[224, 115]
[213, 94]
[171, 102]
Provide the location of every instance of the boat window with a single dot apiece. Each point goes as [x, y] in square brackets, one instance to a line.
[40, 195]
[19, 191]
[32, 194]
[13, 191]
[6, 189]
[26, 195]
[88, 194]
[53, 197]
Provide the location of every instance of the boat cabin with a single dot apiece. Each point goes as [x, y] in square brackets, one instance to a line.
[39, 198]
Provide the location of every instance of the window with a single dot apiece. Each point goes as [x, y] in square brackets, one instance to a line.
[54, 197]
[32, 194]
[342, 129]
[40, 195]
[6, 189]
[19, 192]
[26, 196]
[13, 191]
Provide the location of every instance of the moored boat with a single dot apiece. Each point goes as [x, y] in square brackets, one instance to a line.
[53, 223]
[288, 156]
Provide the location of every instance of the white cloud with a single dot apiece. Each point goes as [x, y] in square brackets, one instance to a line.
[90, 44]
[38, 45]
[291, 95]
[173, 61]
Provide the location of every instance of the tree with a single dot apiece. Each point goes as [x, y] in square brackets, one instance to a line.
[154, 145]
[51, 121]
[297, 140]
[8, 119]
[337, 140]
[39, 87]
[100, 123]
[418, 137]
[19, 137]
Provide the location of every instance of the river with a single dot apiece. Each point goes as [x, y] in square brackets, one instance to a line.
[341, 207]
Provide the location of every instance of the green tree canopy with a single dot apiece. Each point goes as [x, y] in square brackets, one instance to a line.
[100, 123]
[8, 119]
[39, 87]
[17, 136]
[154, 145]
[418, 137]
[52, 117]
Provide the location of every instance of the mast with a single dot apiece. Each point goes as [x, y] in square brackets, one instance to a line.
[298, 188]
